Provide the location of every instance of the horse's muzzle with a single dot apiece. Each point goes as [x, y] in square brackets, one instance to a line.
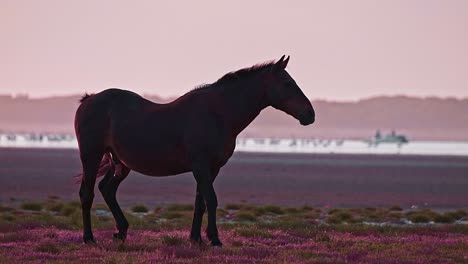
[307, 118]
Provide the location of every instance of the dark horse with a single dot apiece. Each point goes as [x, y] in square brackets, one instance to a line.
[119, 131]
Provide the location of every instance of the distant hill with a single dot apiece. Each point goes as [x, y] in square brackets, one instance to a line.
[418, 118]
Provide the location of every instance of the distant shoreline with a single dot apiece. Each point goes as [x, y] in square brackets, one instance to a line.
[435, 118]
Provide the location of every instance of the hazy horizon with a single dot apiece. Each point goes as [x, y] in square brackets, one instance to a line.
[418, 118]
[164, 98]
[340, 50]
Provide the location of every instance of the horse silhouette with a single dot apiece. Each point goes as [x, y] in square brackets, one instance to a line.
[119, 131]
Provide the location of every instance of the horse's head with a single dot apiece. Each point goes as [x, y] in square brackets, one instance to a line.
[284, 94]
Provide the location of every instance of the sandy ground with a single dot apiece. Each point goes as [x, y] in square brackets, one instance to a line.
[283, 179]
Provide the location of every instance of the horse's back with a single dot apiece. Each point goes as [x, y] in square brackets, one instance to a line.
[109, 100]
[118, 97]
[94, 116]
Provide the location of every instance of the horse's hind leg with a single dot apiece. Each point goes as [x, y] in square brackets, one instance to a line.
[108, 187]
[90, 168]
[205, 177]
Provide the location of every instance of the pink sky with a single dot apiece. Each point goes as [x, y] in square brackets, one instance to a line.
[340, 50]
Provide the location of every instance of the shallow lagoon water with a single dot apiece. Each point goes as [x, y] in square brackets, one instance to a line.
[288, 145]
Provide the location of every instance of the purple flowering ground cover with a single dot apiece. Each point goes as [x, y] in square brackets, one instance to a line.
[50, 232]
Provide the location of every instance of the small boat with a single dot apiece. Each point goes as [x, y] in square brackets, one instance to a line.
[388, 138]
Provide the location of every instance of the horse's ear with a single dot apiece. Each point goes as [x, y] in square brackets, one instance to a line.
[281, 64]
[285, 62]
[281, 59]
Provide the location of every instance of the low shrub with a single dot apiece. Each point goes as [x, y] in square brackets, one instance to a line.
[457, 215]
[444, 219]
[419, 218]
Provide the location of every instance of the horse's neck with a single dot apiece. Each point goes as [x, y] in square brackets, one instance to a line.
[245, 100]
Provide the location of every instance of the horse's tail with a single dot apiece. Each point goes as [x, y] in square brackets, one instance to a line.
[105, 165]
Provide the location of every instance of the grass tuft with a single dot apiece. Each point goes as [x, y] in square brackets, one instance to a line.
[338, 217]
[395, 208]
[171, 215]
[6, 209]
[180, 207]
[246, 216]
[76, 204]
[54, 207]
[68, 210]
[232, 207]
[139, 209]
[53, 197]
[8, 217]
[170, 240]
[291, 210]
[221, 212]
[253, 232]
[31, 206]
[48, 247]
[273, 209]
[395, 215]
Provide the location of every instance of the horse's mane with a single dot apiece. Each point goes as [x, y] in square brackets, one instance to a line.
[236, 75]
[84, 97]
[226, 79]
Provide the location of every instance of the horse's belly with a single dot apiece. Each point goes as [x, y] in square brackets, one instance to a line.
[162, 169]
[158, 167]
[155, 163]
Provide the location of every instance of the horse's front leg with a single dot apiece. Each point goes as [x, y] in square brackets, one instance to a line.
[204, 177]
[211, 205]
[195, 234]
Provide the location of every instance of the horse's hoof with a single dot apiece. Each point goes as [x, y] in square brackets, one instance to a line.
[197, 240]
[119, 236]
[216, 243]
[89, 240]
